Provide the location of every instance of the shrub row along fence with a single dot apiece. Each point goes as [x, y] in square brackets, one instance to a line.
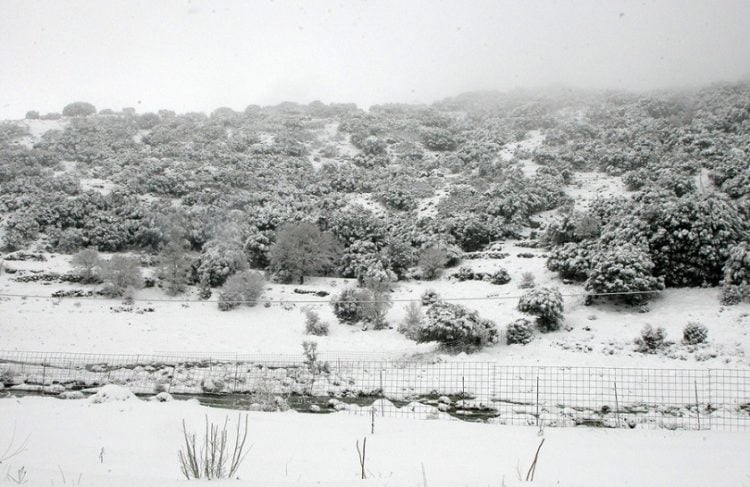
[709, 399]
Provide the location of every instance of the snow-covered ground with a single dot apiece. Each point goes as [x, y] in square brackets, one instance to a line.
[135, 442]
[37, 128]
[599, 335]
[588, 186]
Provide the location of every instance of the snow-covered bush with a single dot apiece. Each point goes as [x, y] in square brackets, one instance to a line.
[546, 304]
[313, 324]
[8, 375]
[220, 259]
[734, 294]
[574, 228]
[241, 288]
[19, 229]
[400, 256]
[78, 109]
[463, 273]
[694, 333]
[413, 320]
[429, 297]
[499, 277]
[455, 326]
[66, 241]
[624, 268]
[471, 231]
[737, 265]
[519, 331]
[635, 180]
[651, 339]
[572, 260]
[347, 306]
[688, 238]
[204, 287]
[399, 197]
[439, 139]
[358, 257]
[112, 393]
[256, 247]
[738, 186]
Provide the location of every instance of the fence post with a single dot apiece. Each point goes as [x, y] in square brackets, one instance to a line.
[382, 393]
[494, 381]
[44, 376]
[537, 400]
[697, 405]
[171, 379]
[617, 407]
[710, 398]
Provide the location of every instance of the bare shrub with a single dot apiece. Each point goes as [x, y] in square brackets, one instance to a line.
[412, 321]
[174, 266]
[243, 287]
[88, 264]
[13, 449]
[527, 281]
[209, 458]
[313, 325]
[432, 262]
[314, 365]
[120, 273]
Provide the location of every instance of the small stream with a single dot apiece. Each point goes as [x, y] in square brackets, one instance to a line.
[303, 403]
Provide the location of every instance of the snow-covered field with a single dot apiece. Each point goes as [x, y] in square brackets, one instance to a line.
[599, 335]
[134, 442]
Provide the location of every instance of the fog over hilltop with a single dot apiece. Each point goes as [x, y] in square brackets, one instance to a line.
[199, 55]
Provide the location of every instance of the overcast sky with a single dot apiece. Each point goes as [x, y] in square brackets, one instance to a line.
[198, 55]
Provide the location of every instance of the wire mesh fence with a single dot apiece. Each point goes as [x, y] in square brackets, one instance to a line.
[717, 399]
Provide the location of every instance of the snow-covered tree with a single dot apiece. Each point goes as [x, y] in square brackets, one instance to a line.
[301, 249]
[625, 269]
[174, 265]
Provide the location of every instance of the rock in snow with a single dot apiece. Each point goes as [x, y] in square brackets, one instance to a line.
[112, 393]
